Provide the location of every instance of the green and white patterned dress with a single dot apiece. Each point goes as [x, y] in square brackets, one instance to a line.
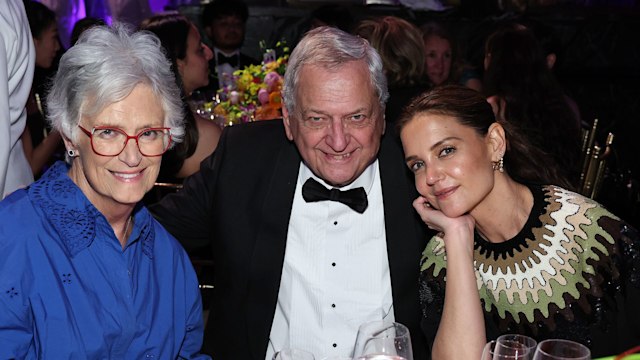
[572, 272]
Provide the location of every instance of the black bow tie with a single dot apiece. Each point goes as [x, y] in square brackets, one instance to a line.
[231, 60]
[354, 198]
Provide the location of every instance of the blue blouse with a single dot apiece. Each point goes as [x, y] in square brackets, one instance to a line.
[69, 290]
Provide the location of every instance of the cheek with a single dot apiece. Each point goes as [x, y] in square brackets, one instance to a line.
[429, 64]
[421, 184]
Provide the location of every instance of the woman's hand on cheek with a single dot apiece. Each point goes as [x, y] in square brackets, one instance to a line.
[458, 231]
[437, 220]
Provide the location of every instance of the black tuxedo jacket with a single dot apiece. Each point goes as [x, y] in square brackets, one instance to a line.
[240, 203]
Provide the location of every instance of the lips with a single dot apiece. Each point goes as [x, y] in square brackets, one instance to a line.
[127, 177]
[339, 157]
[445, 193]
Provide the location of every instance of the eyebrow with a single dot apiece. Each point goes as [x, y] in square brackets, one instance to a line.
[413, 157]
[145, 126]
[442, 141]
[306, 112]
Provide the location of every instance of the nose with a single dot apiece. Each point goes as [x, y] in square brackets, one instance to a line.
[433, 175]
[207, 52]
[131, 154]
[337, 139]
[439, 62]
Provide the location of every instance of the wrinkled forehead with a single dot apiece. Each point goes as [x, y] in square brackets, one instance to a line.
[336, 86]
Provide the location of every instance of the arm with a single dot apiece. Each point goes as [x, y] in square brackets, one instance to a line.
[194, 330]
[16, 317]
[187, 214]
[41, 154]
[16, 336]
[5, 120]
[474, 83]
[462, 319]
[17, 61]
[208, 137]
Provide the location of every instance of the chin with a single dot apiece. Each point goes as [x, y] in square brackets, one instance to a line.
[130, 198]
[452, 211]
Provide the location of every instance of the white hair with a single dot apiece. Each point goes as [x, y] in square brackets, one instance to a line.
[102, 68]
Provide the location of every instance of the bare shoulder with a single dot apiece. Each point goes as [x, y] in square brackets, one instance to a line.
[206, 126]
[208, 137]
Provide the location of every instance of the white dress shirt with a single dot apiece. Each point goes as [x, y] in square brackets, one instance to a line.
[17, 61]
[335, 274]
[225, 71]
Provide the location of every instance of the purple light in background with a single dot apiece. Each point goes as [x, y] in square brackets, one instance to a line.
[157, 6]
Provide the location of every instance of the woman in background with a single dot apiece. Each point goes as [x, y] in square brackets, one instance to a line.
[189, 58]
[42, 145]
[400, 46]
[522, 90]
[519, 254]
[443, 62]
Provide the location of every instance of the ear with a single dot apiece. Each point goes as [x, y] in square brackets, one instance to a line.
[286, 119]
[68, 143]
[181, 64]
[496, 141]
[208, 31]
[551, 61]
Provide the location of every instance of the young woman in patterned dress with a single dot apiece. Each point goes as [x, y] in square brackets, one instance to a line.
[515, 254]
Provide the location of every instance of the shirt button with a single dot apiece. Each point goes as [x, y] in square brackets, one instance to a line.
[335, 345]
[333, 264]
[333, 305]
[335, 223]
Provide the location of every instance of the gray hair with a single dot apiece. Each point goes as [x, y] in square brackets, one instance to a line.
[330, 48]
[102, 68]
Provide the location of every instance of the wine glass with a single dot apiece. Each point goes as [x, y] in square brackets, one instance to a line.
[383, 340]
[559, 349]
[489, 353]
[515, 345]
[293, 354]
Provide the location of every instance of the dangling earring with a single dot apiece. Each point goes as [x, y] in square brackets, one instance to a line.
[498, 165]
[71, 153]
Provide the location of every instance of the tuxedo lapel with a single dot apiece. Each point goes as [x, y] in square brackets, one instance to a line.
[268, 255]
[405, 239]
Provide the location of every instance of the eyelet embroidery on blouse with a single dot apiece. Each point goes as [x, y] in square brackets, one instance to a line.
[66, 279]
[12, 292]
[53, 194]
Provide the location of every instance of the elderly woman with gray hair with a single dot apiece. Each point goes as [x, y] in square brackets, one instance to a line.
[85, 271]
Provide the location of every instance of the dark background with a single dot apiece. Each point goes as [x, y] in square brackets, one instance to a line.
[598, 63]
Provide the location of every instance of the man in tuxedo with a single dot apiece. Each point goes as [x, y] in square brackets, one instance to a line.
[224, 22]
[310, 218]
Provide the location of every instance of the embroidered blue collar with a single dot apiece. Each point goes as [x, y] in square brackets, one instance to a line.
[74, 217]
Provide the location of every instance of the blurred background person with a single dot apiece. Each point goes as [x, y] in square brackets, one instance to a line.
[42, 145]
[224, 22]
[335, 15]
[444, 64]
[520, 254]
[88, 272]
[82, 25]
[400, 46]
[523, 90]
[189, 57]
[17, 61]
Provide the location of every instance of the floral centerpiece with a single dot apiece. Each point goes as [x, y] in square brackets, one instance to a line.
[253, 93]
